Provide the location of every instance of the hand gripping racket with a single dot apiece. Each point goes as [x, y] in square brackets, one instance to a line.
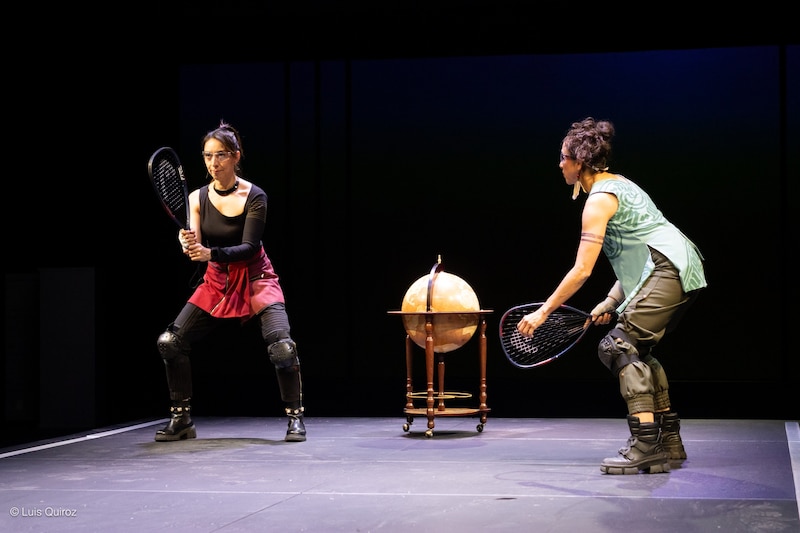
[561, 331]
[166, 174]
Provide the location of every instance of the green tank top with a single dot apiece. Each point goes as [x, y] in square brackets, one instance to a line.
[637, 226]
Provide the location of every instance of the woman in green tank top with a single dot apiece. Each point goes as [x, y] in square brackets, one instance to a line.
[659, 273]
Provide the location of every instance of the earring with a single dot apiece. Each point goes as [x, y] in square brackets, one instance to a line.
[576, 189]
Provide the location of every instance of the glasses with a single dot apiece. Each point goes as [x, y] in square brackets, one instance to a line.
[221, 156]
[562, 156]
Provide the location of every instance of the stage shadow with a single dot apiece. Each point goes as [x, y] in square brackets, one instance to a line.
[206, 445]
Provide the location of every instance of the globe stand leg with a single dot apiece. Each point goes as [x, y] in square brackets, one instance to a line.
[435, 393]
[429, 373]
[409, 380]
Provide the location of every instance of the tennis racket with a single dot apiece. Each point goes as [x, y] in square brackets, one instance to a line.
[166, 174]
[561, 331]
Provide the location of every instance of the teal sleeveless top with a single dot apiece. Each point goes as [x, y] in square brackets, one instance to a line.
[637, 226]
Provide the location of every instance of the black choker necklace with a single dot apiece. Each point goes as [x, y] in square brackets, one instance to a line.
[226, 192]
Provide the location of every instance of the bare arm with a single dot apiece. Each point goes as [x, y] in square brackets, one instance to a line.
[597, 211]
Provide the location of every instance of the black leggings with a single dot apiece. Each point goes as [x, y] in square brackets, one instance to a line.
[193, 325]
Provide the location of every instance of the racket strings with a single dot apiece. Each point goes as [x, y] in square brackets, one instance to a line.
[167, 180]
[559, 332]
[166, 173]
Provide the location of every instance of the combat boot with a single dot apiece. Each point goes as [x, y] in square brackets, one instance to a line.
[296, 432]
[671, 436]
[180, 425]
[643, 452]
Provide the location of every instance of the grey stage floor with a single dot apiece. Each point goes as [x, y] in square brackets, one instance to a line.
[368, 474]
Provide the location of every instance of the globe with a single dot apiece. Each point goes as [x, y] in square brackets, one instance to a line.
[451, 298]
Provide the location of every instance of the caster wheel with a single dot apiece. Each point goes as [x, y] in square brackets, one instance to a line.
[480, 428]
[429, 433]
[406, 427]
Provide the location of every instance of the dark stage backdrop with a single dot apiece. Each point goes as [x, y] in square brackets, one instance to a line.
[375, 167]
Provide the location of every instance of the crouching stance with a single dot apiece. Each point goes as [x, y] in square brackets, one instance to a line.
[227, 218]
[643, 385]
[659, 272]
[193, 324]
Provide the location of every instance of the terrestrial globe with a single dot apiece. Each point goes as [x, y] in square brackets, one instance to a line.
[452, 306]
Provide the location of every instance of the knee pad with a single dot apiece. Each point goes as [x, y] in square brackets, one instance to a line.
[615, 351]
[171, 346]
[276, 335]
[283, 353]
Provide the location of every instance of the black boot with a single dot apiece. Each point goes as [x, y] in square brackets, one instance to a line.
[180, 425]
[671, 436]
[296, 431]
[643, 451]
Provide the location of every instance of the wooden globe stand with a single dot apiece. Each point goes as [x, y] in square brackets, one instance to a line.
[435, 397]
[463, 318]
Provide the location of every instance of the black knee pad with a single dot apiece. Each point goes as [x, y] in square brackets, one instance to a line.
[615, 351]
[171, 346]
[283, 353]
[277, 335]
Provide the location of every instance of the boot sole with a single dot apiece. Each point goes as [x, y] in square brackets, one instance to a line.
[188, 433]
[676, 456]
[295, 438]
[676, 463]
[658, 468]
